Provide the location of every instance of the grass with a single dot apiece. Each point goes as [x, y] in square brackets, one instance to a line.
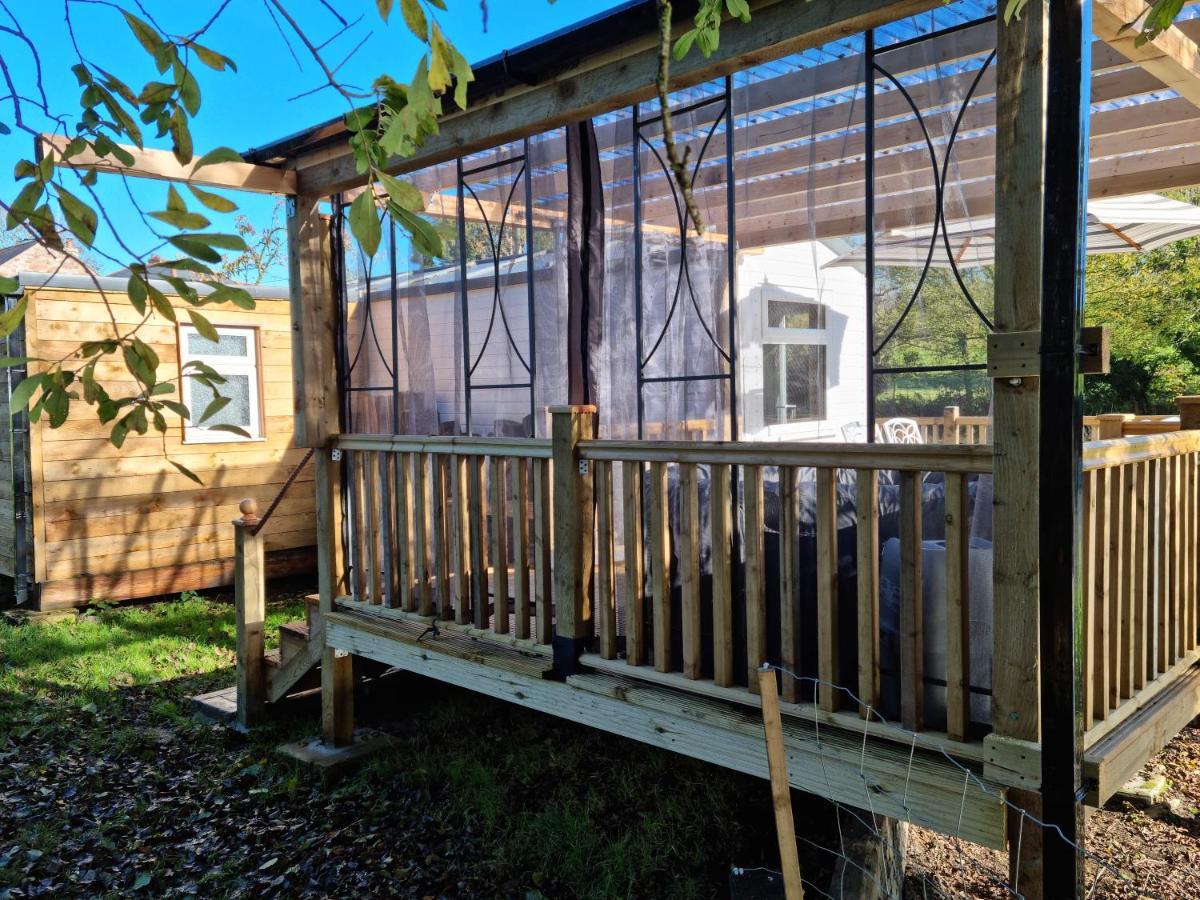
[477, 798]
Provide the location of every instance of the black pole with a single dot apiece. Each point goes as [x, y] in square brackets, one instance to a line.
[1060, 475]
[869, 216]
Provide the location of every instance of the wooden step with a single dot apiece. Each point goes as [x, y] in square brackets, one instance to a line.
[312, 611]
[292, 638]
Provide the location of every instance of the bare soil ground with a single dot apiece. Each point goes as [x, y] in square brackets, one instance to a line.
[1133, 851]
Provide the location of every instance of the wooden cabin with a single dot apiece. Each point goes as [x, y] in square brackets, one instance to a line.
[83, 521]
[978, 633]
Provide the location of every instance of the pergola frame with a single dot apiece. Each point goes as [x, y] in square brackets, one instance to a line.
[1041, 75]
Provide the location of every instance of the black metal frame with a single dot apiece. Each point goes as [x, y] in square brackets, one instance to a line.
[638, 144]
[1060, 469]
[873, 72]
[496, 242]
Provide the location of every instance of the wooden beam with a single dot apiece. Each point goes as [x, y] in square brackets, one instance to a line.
[163, 166]
[622, 77]
[1172, 57]
[314, 324]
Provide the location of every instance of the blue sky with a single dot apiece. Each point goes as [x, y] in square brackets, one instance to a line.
[251, 107]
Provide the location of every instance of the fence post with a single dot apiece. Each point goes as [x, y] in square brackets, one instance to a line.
[1112, 425]
[573, 514]
[337, 668]
[950, 425]
[249, 592]
[1189, 412]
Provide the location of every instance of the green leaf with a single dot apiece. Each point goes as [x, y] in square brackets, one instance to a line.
[175, 200]
[181, 137]
[24, 390]
[181, 219]
[215, 202]
[8, 362]
[364, 223]
[384, 7]
[414, 18]
[403, 193]
[211, 58]
[161, 304]
[178, 408]
[10, 319]
[224, 293]
[163, 387]
[425, 236]
[145, 34]
[217, 155]
[80, 216]
[215, 405]
[195, 248]
[189, 89]
[684, 43]
[137, 290]
[203, 326]
[9, 285]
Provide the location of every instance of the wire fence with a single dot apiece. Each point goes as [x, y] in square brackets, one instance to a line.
[980, 872]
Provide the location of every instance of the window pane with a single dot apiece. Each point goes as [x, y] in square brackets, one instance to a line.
[795, 314]
[793, 382]
[227, 345]
[235, 412]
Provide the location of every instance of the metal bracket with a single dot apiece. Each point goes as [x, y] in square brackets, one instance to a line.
[1014, 354]
[1094, 350]
[335, 455]
[1017, 354]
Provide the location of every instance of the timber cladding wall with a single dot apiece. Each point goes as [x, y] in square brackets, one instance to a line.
[119, 524]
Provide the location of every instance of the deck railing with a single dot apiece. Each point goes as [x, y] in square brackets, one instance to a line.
[695, 562]
[737, 469]
[1141, 584]
[457, 530]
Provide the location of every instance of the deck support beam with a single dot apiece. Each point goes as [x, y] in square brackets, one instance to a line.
[573, 516]
[1020, 133]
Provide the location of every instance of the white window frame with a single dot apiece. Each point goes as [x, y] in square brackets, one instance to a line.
[803, 336]
[224, 365]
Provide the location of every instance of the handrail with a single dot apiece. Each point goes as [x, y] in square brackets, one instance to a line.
[261, 524]
[1139, 448]
[529, 448]
[967, 458]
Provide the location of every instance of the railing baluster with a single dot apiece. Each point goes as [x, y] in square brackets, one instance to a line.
[756, 604]
[1089, 596]
[358, 526]
[1174, 491]
[1102, 589]
[827, 590]
[1116, 585]
[635, 602]
[958, 608]
[1128, 594]
[543, 552]
[404, 530]
[461, 549]
[387, 536]
[606, 597]
[1154, 570]
[660, 565]
[1138, 580]
[689, 569]
[719, 516]
[867, 536]
[443, 533]
[423, 533]
[499, 485]
[480, 605]
[912, 663]
[1189, 644]
[789, 579]
[519, 475]
[371, 537]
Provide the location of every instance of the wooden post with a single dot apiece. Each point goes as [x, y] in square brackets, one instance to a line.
[573, 514]
[950, 425]
[337, 672]
[1112, 425]
[1021, 78]
[250, 602]
[1189, 412]
[314, 323]
[781, 790]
